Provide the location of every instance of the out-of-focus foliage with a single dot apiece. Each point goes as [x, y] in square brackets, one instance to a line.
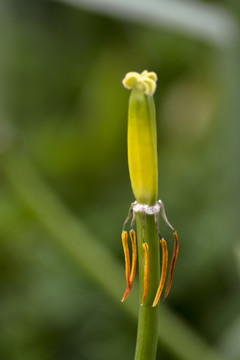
[62, 103]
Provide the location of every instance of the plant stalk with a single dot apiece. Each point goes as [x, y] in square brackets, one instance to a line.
[147, 335]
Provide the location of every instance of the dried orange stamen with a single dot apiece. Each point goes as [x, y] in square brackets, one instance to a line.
[173, 262]
[134, 255]
[127, 263]
[164, 271]
[129, 277]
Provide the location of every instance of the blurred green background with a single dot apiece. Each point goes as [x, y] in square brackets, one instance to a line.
[64, 183]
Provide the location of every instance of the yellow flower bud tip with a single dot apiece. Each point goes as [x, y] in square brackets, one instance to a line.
[150, 74]
[145, 81]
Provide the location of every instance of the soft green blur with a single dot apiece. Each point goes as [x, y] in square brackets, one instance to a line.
[64, 172]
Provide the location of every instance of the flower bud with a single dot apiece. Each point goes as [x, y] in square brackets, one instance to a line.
[142, 136]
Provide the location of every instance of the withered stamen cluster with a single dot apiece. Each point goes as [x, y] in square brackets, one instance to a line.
[150, 210]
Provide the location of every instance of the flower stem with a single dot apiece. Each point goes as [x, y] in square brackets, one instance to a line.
[147, 335]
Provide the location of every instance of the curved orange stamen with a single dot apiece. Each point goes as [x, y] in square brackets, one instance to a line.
[127, 263]
[130, 278]
[164, 271]
[134, 255]
[173, 263]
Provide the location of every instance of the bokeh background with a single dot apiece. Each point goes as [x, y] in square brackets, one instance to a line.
[65, 189]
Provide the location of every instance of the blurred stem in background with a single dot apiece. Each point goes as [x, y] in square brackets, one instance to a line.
[208, 22]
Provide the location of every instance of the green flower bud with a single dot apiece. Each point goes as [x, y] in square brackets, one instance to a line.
[142, 136]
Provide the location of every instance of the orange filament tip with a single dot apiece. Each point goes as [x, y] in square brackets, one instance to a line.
[127, 291]
[173, 263]
[146, 271]
[163, 273]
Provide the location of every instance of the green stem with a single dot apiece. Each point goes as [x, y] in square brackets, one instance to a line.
[147, 335]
